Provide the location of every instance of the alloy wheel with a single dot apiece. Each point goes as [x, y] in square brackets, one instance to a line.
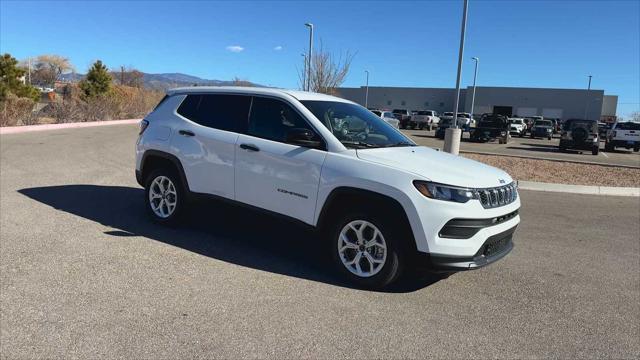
[362, 248]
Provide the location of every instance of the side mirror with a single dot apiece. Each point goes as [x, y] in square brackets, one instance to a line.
[303, 137]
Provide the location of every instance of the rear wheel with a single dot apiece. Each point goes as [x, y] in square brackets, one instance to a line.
[164, 195]
[595, 150]
[366, 249]
[608, 147]
[636, 148]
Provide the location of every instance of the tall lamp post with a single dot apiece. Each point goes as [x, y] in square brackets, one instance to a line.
[310, 57]
[452, 135]
[366, 93]
[589, 87]
[475, 76]
[304, 72]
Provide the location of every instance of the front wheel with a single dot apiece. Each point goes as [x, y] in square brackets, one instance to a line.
[164, 195]
[595, 150]
[366, 250]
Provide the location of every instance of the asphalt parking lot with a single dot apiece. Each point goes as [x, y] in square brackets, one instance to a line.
[526, 146]
[84, 273]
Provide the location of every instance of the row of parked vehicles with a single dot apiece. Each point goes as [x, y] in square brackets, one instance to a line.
[574, 133]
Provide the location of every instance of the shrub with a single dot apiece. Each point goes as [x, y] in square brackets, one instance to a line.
[16, 111]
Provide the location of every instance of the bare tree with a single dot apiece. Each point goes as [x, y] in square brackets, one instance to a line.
[635, 116]
[48, 68]
[129, 77]
[327, 71]
[239, 82]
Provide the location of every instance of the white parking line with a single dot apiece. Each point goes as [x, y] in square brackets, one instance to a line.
[605, 154]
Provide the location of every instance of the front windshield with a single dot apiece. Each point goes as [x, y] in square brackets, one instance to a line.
[355, 126]
[542, 123]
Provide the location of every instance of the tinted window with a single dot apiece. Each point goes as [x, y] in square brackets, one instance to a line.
[224, 112]
[377, 112]
[272, 119]
[628, 126]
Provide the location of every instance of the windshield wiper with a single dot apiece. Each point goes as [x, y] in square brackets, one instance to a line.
[400, 144]
[359, 143]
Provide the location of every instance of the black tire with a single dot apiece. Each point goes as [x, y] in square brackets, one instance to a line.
[636, 149]
[429, 127]
[549, 138]
[608, 147]
[421, 126]
[180, 196]
[521, 134]
[595, 150]
[533, 137]
[395, 261]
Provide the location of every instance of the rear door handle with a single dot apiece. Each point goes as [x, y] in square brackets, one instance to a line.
[249, 147]
[186, 133]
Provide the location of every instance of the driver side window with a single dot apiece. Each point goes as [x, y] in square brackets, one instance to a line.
[272, 119]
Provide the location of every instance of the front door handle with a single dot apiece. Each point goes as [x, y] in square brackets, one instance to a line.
[249, 147]
[186, 133]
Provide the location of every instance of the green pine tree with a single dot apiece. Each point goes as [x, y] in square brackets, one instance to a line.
[11, 82]
[97, 82]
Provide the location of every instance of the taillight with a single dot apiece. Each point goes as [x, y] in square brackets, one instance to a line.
[143, 126]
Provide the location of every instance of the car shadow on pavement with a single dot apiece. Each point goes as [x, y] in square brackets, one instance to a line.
[212, 228]
[537, 148]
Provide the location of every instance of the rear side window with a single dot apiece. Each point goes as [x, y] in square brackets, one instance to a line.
[224, 112]
[272, 119]
[161, 101]
[628, 126]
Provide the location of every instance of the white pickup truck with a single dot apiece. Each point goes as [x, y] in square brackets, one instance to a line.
[623, 134]
[425, 118]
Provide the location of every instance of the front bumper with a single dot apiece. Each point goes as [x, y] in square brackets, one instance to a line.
[493, 249]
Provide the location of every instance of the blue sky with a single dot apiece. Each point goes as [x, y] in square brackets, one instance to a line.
[519, 43]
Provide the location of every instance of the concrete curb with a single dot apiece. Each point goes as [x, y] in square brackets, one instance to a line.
[550, 159]
[579, 189]
[31, 128]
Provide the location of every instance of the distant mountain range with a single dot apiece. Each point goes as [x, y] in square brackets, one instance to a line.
[166, 81]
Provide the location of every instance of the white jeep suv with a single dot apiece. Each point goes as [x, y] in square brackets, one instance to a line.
[381, 202]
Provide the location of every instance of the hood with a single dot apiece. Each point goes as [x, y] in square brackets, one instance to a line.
[437, 166]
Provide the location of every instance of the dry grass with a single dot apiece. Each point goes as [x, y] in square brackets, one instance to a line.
[561, 172]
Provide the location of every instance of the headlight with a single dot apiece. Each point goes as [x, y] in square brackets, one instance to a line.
[445, 192]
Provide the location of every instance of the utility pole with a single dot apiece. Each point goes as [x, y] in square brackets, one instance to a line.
[366, 94]
[121, 75]
[310, 57]
[589, 87]
[452, 135]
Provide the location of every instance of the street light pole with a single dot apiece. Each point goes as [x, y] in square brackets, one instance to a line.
[475, 76]
[589, 87]
[453, 135]
[310, 57]
[304, 72]
[366, 94]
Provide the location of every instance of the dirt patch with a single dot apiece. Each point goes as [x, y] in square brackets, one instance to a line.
[561, 172]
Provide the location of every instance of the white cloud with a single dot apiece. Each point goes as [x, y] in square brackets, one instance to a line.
[277, 48]
[235, 48]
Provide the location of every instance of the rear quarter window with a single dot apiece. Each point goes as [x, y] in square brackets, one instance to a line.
[223, 112]
[628, 126]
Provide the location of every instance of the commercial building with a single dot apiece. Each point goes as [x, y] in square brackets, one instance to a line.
[550, 103]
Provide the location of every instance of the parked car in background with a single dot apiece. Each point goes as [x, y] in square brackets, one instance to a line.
[443, 125]
[404, 116]
[603, 130]
[491, 127]
[425, 118]
[388, 117]
[380, 203]
[517, 126]
[580, 134]
[542, 129]
[623, 134]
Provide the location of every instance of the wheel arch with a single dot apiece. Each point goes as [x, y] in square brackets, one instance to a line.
[343, 196]
[152, 159]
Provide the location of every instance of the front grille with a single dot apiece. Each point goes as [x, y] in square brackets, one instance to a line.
[498, 196]
[496, 244]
